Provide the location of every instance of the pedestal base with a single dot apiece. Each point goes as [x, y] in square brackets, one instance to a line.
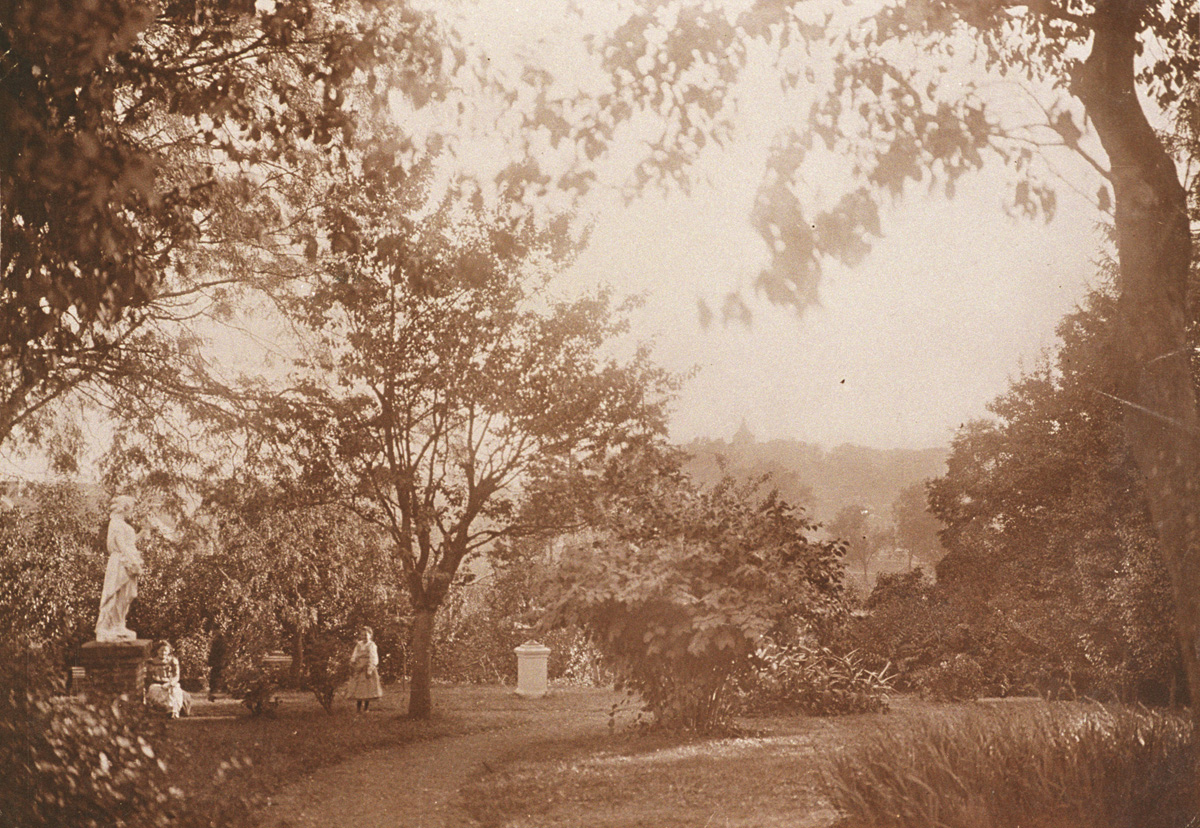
[113, 668]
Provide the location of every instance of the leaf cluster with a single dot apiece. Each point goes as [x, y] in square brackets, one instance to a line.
[679, 598]
[72, 763]
[1051, 567]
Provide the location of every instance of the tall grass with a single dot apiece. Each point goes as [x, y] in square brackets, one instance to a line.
[1078, 766]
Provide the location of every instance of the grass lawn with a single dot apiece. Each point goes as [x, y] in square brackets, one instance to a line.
[622, 778]
[268, 752]
[766, 780]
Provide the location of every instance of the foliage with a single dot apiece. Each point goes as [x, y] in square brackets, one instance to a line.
[269, 574]
[1079, 766]
[863, 541]
[449, 370]
[194, 652]
[813, 680]
[326, 667]
[917, 529]
[821, 480]
[1053, 582]
[1048, 532]
[249, 681]
[903, 92]
[51, 567]
[68, 762]
[482, 621]
[957, 677]
[679, 594]
[908, 625]
[486, 618]
[125, 130]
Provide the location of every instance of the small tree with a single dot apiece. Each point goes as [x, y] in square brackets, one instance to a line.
[851, 526]
[455, 372]
[679, 597]
[916, 527]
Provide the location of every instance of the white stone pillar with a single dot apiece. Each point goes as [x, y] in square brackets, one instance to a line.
[532, 658]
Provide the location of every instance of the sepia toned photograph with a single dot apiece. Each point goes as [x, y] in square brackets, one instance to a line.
[599, 413]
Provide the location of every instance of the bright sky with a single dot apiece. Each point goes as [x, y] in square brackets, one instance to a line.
[902, 349]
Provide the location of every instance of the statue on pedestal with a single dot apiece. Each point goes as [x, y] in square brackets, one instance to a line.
[121, 574]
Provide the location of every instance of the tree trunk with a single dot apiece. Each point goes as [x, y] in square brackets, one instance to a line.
[1154, 252]
[296, 673]
[420, 701]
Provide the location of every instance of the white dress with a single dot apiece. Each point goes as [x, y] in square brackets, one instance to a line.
[364, 672]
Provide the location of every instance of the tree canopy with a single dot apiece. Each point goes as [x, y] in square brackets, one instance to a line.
[1047, 525]
[446, 372]
[142, 151]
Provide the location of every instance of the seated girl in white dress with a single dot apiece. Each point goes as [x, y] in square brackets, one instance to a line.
[164, 692]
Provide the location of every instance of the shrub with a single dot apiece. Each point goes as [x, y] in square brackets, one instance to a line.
[957, 678]
[193, 652]
[70, 763]
[484, 620]
[953, 645]
[1079, 766]
[578, 662]
[678, 608]
[326, 668]
[247, 681]
[813, 680]
[476, 631]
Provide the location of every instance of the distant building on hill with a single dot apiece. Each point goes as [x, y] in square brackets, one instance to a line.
[743, 437]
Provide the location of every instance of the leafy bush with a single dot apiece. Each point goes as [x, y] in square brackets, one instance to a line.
[51, 567]
[678, 602]
[813, 680]
[70, 763]
[479, 625]
[949, 642]
[957, 678]
[193, 652]
[1079, 766]
[248, 681]
[579, 661]
[326, 668]
[484, 620]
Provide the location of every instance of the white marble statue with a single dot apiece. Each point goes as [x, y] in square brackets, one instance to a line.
[121, 574]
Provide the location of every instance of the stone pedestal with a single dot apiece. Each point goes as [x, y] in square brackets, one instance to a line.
[113, 668]
[532, 659]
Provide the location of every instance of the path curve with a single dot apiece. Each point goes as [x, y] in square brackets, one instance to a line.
[416, 785]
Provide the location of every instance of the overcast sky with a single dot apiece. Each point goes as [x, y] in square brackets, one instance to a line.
[902, 349]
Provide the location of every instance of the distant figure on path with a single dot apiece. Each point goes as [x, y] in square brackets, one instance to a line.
[121, 574]
[164, 691]
[364, 671]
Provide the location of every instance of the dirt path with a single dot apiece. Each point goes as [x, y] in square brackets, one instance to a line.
[416, 785]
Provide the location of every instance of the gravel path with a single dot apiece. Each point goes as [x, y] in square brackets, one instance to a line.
[416, 785]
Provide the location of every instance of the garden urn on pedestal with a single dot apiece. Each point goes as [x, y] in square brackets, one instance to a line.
[531, 669]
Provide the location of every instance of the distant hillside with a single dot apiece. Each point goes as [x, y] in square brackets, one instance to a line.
[822, 481]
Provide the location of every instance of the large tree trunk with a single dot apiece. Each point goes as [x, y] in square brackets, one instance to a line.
[420, 701]
[1154, 250]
